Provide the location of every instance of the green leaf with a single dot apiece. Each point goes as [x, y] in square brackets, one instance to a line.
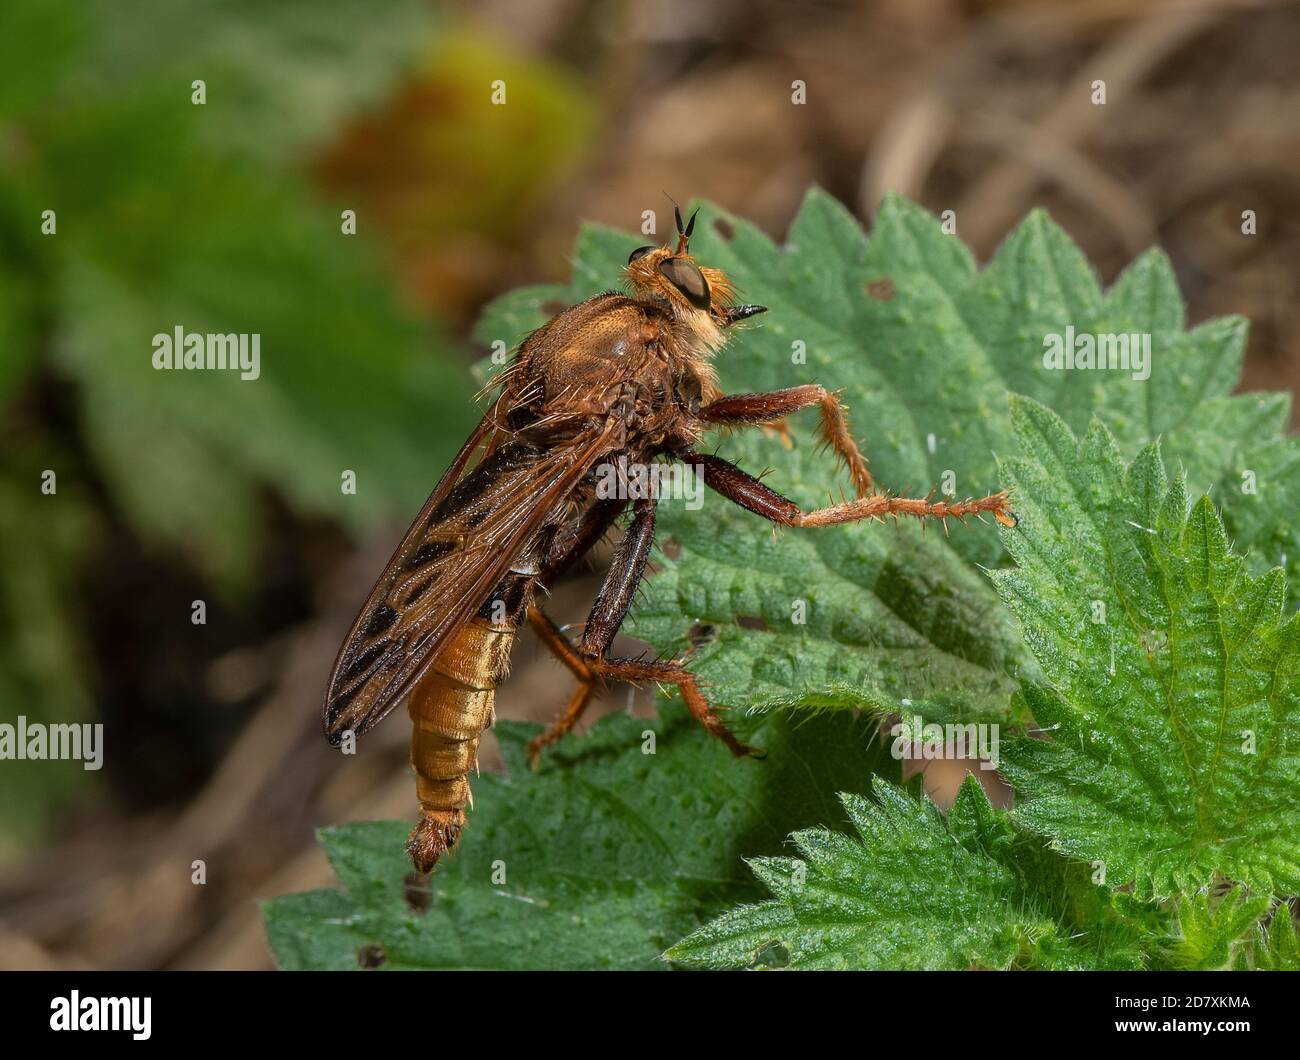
[1210, 932]
[1276, 948]
[1169, 692]
[315, 929]
[909, 891]
[600, 860]
[923, 347]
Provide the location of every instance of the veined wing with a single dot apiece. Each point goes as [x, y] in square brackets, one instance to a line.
[460, 546]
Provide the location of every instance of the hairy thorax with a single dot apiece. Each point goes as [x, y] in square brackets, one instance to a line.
[614, 358]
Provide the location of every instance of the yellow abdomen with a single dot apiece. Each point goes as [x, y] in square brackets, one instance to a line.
[450, 708]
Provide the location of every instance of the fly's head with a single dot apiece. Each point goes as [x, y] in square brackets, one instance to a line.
[694, 293]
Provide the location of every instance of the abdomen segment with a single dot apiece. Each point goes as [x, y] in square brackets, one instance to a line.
[450, 708]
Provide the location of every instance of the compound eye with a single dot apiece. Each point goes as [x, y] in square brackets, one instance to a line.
[687, 278]
[638, 254]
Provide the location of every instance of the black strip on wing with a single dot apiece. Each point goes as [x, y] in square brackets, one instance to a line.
[373, 618]
[493, 513]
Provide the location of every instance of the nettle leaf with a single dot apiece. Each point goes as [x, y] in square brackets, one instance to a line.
[1211, 932]
[600, 860]
[908, 891]
[1275, 947]
[923, 347]
[1171, 680]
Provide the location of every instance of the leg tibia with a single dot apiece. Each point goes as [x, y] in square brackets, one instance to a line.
[772, 407]
[751, 494]
[674, 673]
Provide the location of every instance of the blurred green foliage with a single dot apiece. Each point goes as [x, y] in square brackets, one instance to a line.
[40, 655]
[171, 213]
[168, 212]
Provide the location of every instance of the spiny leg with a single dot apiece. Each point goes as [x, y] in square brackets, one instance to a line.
[553, 637]
[773, 406]
[589, 671]
[564, 553]
[626, 569]
[674, 673]
[607, 614]
[567, 549]
[751, 494]
[611, 607]
[560, 647]
[588, 663]
[558, 729]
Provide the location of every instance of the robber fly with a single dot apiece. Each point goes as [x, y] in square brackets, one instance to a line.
[618, 380]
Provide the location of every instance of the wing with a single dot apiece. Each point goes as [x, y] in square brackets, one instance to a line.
[455, 553]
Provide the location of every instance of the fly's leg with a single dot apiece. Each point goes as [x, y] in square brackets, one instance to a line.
[571, 547]
[626, 570]
[612, 602]
[590, 671]
[748, 492]
[771, 408]
[564, 553]
[587, 661]
[611, 607]
[674, 673]
[560, 647]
